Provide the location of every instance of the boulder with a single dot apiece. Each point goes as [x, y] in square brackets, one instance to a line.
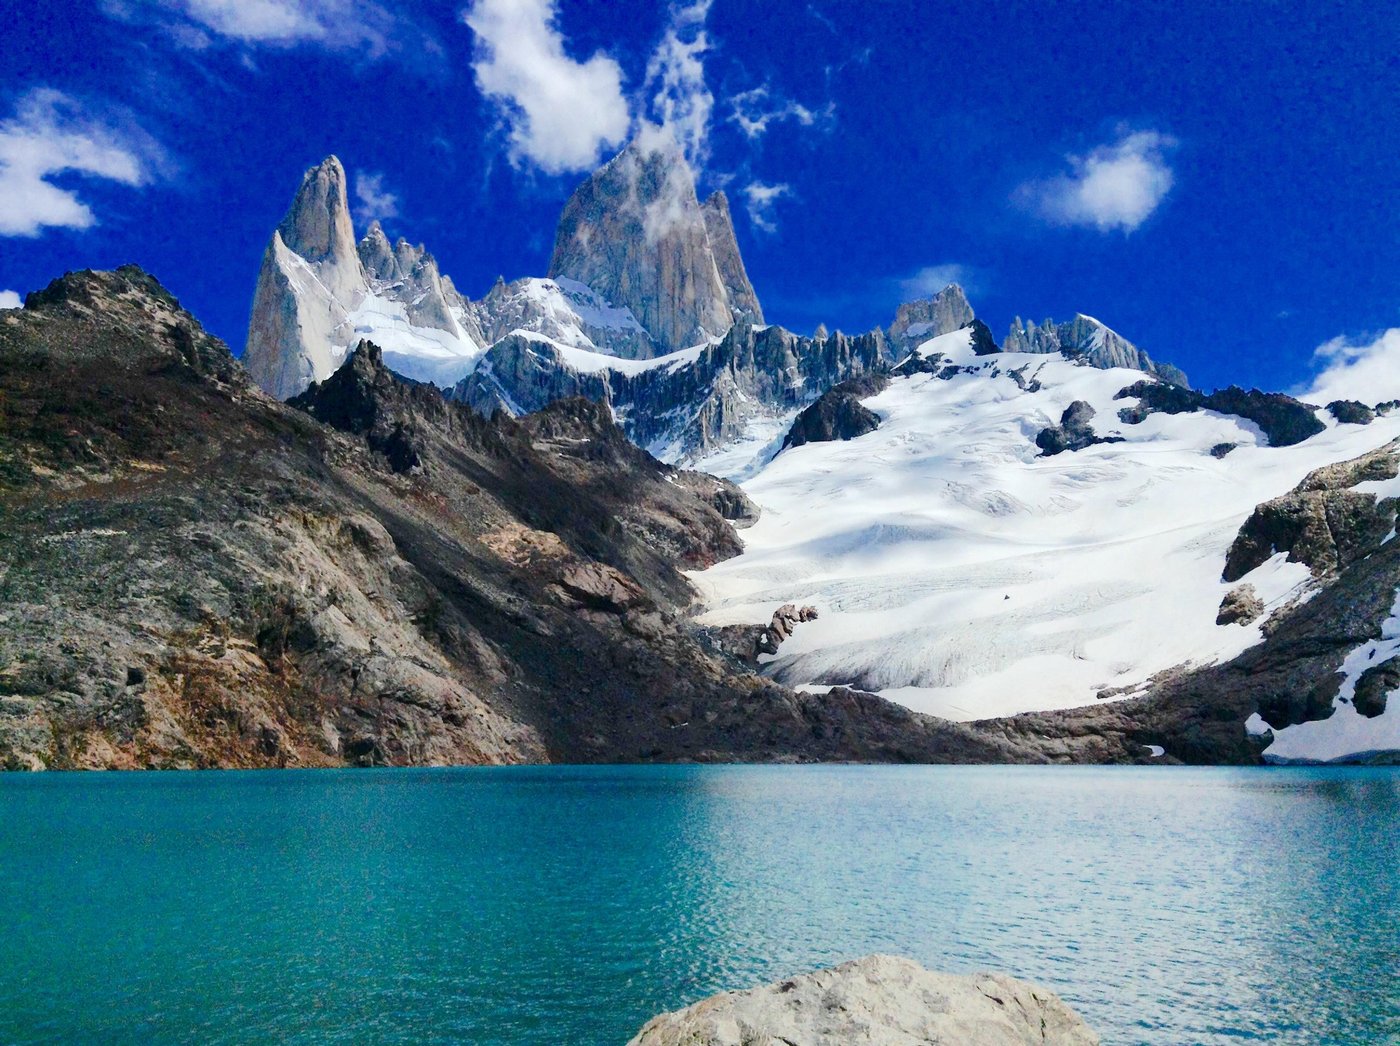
[838, 414]
[1322, 523]
[1240, 606]
[1074, 432]
[879, 999]
[1351, 412]
[1374, 686]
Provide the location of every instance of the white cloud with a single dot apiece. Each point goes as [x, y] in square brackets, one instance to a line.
[51, 134]
[681, 103]
[1113, 186]
[755, 110]
[342, 25]
[931, 279]
[761, 198]
[561, 113]
[372, 200]
[1366, 371]
[11, 300]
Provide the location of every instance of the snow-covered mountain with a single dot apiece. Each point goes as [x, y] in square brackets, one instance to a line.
[319, 294]
[960, 569]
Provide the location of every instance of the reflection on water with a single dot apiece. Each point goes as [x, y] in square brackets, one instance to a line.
[565, 905]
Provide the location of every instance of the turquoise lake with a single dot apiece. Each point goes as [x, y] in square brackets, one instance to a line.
[567, 905]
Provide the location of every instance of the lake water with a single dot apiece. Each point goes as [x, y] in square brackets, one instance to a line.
[567, 905]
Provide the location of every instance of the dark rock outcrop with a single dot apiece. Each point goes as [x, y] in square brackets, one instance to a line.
[838, 413]
[783, 624]
[1285, 421]
[1074, 432]
[1321, 523]
[1351, 412]
[1085, 338]
[1240, 606]
[1374, 686]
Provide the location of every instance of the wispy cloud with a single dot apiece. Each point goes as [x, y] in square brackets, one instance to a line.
[680, 102]
[757, 109]
[560, 113]
[1115, 186]
[362, 26]
[1368, 371]
[760, 199]
[53, 134]
[11, 300]
[931, 279]
[372, 200]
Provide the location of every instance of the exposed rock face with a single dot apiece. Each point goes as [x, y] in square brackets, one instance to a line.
[838, 413]
[1285, 421]
[784, 623]
[309, 283]
[1074, 432]
[719, 224]
[1086, 338]
[193, 574]
[879, 1000]
[636, 233]
[1321, 523]
[1240, 606]
[1351, 412]
[918, 321]
[1375, 685]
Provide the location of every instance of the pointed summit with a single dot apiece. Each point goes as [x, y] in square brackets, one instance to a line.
[311, 280]
[636, 234]
[918, 321]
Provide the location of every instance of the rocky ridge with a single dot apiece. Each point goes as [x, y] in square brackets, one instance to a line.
[1087, 339]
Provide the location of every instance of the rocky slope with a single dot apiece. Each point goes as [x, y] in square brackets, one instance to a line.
[193, 574]
[879, 1000]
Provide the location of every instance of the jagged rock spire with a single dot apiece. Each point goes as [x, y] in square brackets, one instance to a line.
[636, 233]
[311, 278]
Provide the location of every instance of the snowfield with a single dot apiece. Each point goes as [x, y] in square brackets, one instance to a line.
[960, 573]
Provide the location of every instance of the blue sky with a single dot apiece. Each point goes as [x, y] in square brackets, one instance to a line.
[1216, 181]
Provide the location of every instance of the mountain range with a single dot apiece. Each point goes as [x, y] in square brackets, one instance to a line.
[411, 526]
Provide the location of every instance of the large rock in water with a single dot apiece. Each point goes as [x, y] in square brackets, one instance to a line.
[637, 234]
[876, 1001]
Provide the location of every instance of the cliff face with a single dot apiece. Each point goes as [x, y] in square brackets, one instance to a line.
[309, 284]
[637, 234]
[681, 406]
[1095, 343]
[193, 574]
